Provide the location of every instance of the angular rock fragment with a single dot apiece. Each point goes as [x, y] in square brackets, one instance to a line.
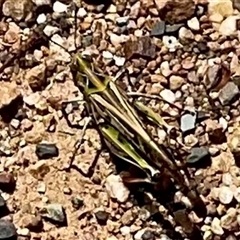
[216, 227]
[175, 11]
[116, 189]
[46, 150]
[199, 156]
[55, 213]
[221, 7]
[36, 77]
[228, 93]
[188, 121]
[77, 202]
[102, 217]
[142, 47]
[217, 76]
[158, 29]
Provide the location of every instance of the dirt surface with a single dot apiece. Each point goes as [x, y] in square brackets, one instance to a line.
[184, 52]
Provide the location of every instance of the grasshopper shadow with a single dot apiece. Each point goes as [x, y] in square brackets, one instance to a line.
[163, 192]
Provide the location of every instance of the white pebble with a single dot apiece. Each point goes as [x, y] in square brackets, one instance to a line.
[194, 24]
[119, 61]
[82, 13]
[59, 7]
[168, 95]
[107, 55]
[41, 18]
[50, 30]
[223, 122]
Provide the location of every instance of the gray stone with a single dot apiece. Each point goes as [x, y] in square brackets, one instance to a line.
[198, 154]
[228, 93]
[173, 28]
[188, 121]
[54, 212]
[7, 230]
[122, 21]
[158, 29]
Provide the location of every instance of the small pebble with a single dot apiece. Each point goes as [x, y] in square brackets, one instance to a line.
[228, 93]
[216, 227]
[107, 55]
[77, 202]
[194, 24]
[116, 189]
[168, 95]
[46, 150]
[198, 155]
[225, 195]
[41, 18]
[59, 7]
[119, 61]
[188, 121]
[102, 217]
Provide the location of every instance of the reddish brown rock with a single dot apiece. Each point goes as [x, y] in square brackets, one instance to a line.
[7, 182]
[175, 11]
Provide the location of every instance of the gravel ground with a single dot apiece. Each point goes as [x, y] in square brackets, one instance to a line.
[185, 52]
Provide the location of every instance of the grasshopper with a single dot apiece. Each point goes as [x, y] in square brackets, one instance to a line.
[122, 128]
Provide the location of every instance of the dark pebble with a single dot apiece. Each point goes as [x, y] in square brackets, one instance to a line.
[3, 207]
[201, 116]
[87, 41]
[77, 202]
[7, 182]
[102, 217]
[7, 230]
[198, 156]
[46, 150]
[203, 48]
[148, 235]
[2, 203]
